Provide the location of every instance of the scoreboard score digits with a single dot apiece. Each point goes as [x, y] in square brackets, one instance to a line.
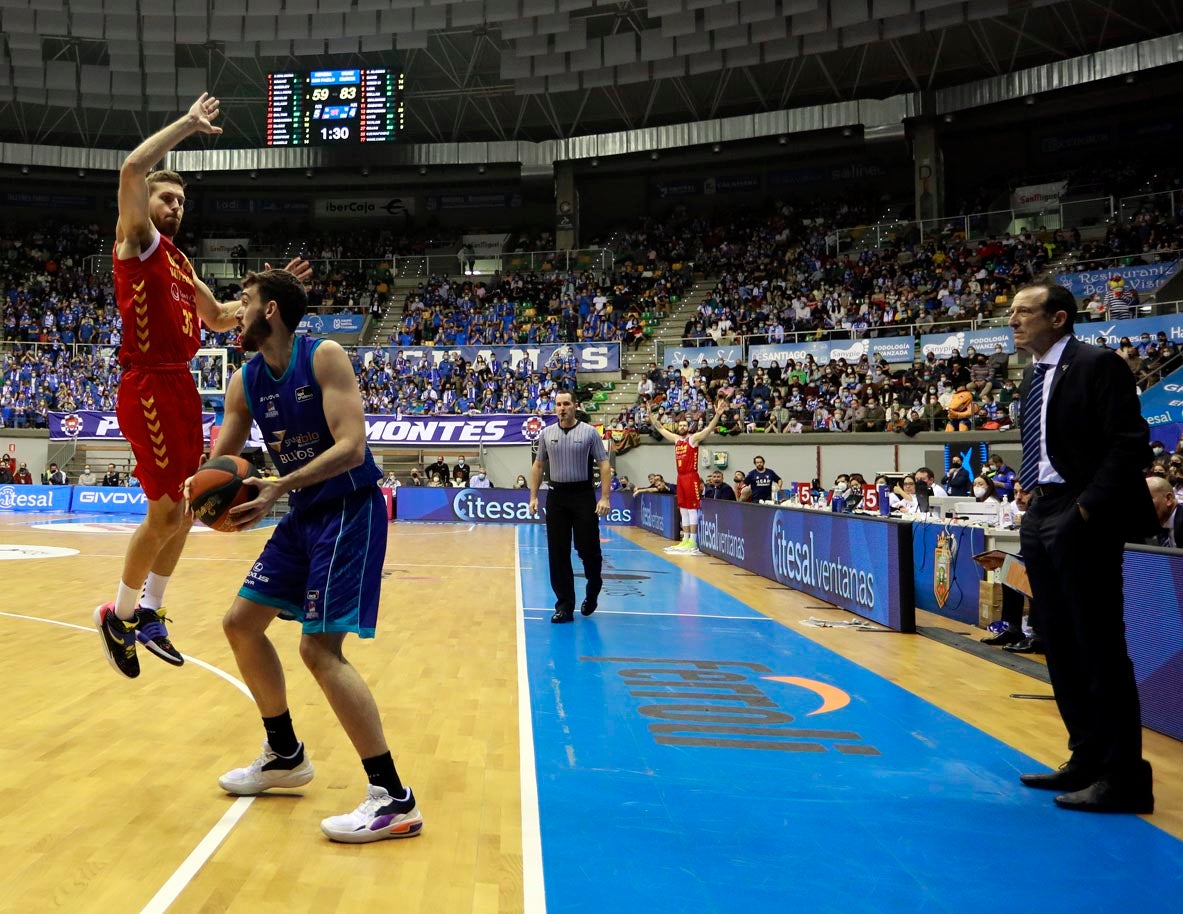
[334, 107]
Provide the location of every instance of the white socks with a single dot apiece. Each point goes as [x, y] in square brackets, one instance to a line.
[154, 591]
[125, 602]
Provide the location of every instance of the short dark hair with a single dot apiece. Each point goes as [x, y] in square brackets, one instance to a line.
[564, 393]
[1057, 298]
[285, 290]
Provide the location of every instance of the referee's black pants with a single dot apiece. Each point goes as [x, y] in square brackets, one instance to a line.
[571, 512]
[1074, 567]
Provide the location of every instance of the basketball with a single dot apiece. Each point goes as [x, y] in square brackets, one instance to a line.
[217, 487]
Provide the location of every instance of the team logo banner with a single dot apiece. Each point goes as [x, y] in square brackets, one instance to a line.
[489, 506]
[946, 576]
[92, 425]
[589, 357]
[859, 564]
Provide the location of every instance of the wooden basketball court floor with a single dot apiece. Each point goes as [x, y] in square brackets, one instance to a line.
[109, 800]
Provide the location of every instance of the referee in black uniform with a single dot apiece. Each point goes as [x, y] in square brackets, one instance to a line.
[572, 448]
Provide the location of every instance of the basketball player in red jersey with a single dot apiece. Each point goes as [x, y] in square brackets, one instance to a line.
[689, 482]
[162, 304]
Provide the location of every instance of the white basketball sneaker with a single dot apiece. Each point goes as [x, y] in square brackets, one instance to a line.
[379, 816]
[267, 771]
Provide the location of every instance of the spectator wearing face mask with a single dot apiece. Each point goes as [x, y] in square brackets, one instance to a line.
[957, 481]
[871, 418]
[481, 480]
[928, 479]
[984, 490]
[86, 477]
[1002, 476]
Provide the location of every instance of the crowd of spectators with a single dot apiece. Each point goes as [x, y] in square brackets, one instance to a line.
[406, 386]
[538, 308]
[967, 391]
[778, 278]
[794, 286]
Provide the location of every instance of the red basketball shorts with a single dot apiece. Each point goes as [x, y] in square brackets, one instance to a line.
[689, 491]
[160, 416]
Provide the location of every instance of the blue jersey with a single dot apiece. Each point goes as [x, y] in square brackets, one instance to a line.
[290, 413]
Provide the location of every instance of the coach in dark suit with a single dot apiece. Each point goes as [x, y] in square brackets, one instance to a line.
[1084, 446]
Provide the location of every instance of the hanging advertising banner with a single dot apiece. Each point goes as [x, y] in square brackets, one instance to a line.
[1144, 280]
[1034, 198]
[363, 207]
[982, 341]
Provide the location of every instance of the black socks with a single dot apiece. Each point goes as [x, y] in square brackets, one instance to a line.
[380, 772]
[280, 734]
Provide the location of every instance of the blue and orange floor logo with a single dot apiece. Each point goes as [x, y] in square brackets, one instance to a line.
[723, 704]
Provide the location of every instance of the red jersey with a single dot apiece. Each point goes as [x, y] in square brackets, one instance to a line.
[686, 457]
[157, 300]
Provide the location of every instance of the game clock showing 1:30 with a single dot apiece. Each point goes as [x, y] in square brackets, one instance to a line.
[334, 107]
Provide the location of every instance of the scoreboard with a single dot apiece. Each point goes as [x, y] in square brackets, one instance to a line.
[334, 107]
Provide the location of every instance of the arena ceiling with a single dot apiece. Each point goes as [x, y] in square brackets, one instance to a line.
[104, 73]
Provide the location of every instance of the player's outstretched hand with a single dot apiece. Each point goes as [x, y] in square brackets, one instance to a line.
[251, 512]
[203, 112]
[298, 267]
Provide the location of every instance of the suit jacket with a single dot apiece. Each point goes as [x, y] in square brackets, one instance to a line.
[1154, 540]
[958, 481]
[1097, 439]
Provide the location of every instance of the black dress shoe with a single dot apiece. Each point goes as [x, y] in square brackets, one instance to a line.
[563, 616]
[1070, 777]
[1002, 639]
[587, 608]
[1026, 646]
[1110, 796]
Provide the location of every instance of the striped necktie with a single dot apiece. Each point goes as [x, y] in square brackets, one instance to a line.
[1032, 416]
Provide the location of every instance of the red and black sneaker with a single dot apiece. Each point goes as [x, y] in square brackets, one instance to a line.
[119, 640]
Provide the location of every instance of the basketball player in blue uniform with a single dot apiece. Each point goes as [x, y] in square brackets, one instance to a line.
[323, 564]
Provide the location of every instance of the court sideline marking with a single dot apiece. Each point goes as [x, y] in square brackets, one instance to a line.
[191, 865]
[533, 886]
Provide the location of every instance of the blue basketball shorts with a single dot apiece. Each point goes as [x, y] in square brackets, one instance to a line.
[323, 567]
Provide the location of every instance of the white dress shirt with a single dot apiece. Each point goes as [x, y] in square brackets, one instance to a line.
[1051, 358]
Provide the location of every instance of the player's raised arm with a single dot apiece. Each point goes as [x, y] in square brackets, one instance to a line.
[220, 316]
[134, 231]
[699, 437]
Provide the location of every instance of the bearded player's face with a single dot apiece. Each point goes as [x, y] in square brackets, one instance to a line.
[255, 328]
[166, 206]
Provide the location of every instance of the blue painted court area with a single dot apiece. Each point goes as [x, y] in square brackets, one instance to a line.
[694, 756]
